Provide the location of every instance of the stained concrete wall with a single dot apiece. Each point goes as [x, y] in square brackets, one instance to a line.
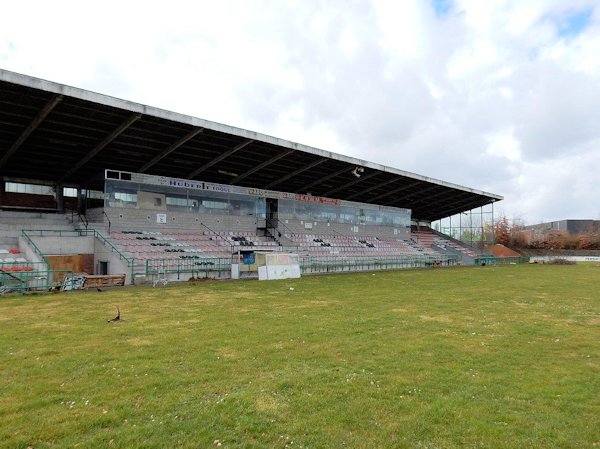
[317, 227]
[55, 245]
[130, 219]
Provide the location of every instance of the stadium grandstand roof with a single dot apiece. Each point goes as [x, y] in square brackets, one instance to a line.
[68, 136]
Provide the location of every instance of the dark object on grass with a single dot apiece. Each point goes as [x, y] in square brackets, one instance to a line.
[117, 318]
[99, 289]
[561, 261]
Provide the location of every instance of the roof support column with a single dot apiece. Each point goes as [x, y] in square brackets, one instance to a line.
[60, 197]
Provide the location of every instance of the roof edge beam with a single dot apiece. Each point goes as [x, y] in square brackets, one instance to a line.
[193, 133]
[220, 158]
[294, 173]
[261, 166]
[39, 118]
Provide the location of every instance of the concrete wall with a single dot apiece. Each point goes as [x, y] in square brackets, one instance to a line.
[126, 219]
[317, 227]
[28, 251]
[116, 265]
[95, 215]
[130, 219]
[54, 245]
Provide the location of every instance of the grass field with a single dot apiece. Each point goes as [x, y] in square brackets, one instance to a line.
[498, 357]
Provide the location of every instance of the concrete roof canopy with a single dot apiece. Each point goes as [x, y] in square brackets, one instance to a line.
[64, 135]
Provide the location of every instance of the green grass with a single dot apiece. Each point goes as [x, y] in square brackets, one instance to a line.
[501, 357]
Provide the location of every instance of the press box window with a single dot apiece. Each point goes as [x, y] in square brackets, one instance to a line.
[34, 189]
[127, 197]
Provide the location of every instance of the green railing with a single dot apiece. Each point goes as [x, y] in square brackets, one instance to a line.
[22, 266]
[492, 260]
[323, 264]
[27, 233]
[22, 282]
[194, 266]
[36, 250]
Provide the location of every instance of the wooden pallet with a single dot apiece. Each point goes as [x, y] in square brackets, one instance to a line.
[103, 281]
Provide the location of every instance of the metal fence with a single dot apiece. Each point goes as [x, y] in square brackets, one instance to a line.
[22, 266]
[330, 264]
[36, 281]
[492, 260]
[197, 267]
[28, 233]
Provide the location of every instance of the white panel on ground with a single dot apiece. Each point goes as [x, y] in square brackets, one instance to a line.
[235, 271]
[273, 266]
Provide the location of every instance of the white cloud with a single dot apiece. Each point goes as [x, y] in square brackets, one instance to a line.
[504, 144]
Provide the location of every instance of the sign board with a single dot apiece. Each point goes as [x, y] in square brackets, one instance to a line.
[273, 266]
[143, 178]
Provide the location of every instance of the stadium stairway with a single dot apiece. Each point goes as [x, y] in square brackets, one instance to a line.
[12, 223]
[13, 254]
[445, 244]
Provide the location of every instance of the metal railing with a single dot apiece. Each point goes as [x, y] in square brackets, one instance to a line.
[216, 234]
[281, 224]
[492, 260]
[107, 219]
[23, 282]
[461, 243]
[22, 266]
[28, 233]
[324, 264]
[83, 219]
[31, 243]
[192, 265]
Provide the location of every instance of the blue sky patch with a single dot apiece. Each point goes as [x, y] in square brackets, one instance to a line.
[574, 23]
[441, 7]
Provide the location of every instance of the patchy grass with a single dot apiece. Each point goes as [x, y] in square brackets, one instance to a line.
[502, 357]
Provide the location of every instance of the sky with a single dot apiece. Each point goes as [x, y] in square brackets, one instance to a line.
[498, 95]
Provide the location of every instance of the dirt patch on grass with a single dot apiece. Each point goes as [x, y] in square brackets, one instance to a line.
[400, 310]
[267, 404]
[437, 319]
[136, 341]
[310, 304]
[228, 353]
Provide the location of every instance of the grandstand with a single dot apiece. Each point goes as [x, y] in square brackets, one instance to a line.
[95, 184]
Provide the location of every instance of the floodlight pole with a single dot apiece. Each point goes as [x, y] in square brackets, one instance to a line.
[481, 215]
[493, 228]
[471, 226]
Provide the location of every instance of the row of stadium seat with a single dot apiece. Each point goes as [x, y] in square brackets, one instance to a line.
[185, 244]
[180, 245]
